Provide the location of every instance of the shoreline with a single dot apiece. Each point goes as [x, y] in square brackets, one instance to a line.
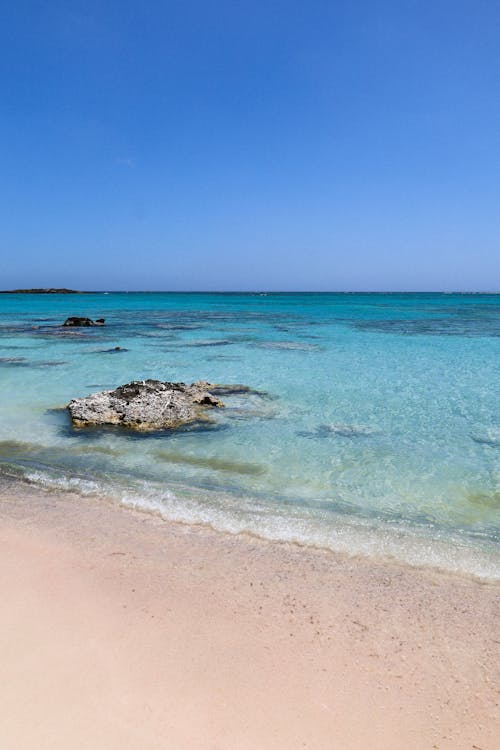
[377, 541]
[121, 629]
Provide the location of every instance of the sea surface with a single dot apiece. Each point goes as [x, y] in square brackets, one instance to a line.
[373, 428]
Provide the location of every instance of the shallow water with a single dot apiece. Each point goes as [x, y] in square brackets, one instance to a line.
[375, 428]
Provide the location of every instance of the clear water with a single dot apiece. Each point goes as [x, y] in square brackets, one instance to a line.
[377, 430]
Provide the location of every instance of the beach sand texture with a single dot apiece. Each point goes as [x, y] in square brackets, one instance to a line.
[122, 631]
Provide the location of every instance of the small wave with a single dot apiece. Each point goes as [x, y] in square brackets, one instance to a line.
[395, 542]
[65, 483]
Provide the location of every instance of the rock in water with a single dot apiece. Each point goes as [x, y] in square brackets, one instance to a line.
[145, 405]
[75, 321]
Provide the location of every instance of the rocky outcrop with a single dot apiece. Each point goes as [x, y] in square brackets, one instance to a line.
[41, 291]
[145, 405]
[85, 322]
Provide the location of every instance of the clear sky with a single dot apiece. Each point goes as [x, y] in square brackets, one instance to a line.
[260, 144]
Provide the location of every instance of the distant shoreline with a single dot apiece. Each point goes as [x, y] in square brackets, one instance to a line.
[41, 291]
[243, 292]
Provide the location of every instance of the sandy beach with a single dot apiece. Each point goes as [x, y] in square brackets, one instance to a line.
[120, 630]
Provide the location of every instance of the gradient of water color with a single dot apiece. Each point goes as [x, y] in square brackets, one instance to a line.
[375, 428]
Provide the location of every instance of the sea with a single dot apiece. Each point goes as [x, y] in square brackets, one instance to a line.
[372, 427]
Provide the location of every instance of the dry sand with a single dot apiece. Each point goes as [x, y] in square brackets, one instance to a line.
[121, 631]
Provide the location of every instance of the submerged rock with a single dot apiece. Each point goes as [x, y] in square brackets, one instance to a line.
[489, 436]
[76, 321]
[232, 390]
[145, 405]
[343, 430]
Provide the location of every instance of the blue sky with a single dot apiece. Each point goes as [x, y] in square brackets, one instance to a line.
[250, 145]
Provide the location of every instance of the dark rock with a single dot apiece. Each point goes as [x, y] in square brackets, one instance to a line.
[82, 322]
[99, 321]
[145, 405]
[41, 291]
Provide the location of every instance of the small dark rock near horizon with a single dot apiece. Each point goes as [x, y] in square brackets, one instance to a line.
[75, 321]
[41, 291]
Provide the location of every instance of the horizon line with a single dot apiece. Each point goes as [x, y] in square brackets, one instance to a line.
[46, 290]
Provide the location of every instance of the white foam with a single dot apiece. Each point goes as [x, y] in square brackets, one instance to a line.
[397, 542]
[414, 546]
[69, 484]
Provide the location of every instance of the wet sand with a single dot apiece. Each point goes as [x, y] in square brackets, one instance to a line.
[120, 630]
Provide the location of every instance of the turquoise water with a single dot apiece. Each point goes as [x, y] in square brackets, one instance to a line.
[376, 428]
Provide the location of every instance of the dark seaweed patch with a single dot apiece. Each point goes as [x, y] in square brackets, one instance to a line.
[322, 431]
[179, 326]
[16, 448]
[13, 449]
[221, 342]
[340, 430]
[485, 499]
[226, 357]
[50, 363]
[212, 463]
[114, 350]
[235, 389]
[23, 362]
[450, 326]
[246, 414]
[16, 346]
[300, 346]
[14, 362]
